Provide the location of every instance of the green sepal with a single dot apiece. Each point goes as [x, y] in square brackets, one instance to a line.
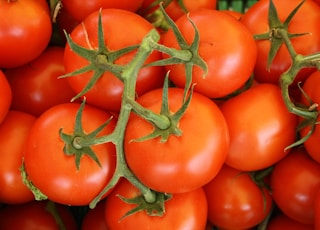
[273, 34]
[155, 209]
[79, 143]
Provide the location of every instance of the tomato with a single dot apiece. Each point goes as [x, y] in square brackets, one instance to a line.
[281, 221]
[185, 162]
[260, 127]
[183, 211]
[52, 171]
[5, 95]
[23, 40]
[95, 218]
[306, 20]
[311, 88]
[35, 215]
[81, 9]
[175, 11]
[235, 201]
[107, 92]
[13, 135]
[295, 181]
[227, 47]
[36, 87]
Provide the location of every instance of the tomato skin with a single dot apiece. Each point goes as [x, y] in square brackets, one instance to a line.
[81, 9]
[235, 201]
[311, 88]
[36, 87]
[294, 183]
[49, 168]
[33, 215]
[23, 40]
[229, 63]
[306, 20]
[281, 221]
[5, 95]
[185, 162]
[260, 127]
[183, 211]
[107, 92]
[95, 218]
[13, 135]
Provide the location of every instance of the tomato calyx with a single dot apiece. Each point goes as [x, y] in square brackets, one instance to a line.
[174, 118]
[79, 143]
[100, 59]
[278, 31]
[187, 55]
[155, 208]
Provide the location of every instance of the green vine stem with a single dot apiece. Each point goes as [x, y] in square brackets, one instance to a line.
[129, 75]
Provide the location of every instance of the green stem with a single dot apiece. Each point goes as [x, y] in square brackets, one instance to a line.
[158, 120]
[183, 54]
[52, 209]
[284, 35]
[129, 75]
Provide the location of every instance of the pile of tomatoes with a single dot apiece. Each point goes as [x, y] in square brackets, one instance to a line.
[154, 114]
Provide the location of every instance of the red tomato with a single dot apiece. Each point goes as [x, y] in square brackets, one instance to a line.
[294, 183]
[260, 127]
[95, 218]
[185, 162]
[237, 15]
[281, 222]
[36, 87]
[81, 9]
[230, 58]
[235, 201]
[35, 215]
[13, 135]
[183, 211]
[23, 40]
[52, 171]
[306, 20]
[107, 92]
[311, 88]
[5, 95]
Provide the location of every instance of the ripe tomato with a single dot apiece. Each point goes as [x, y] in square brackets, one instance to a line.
[36, 87]
[317, 210]
[52, 171]
[306, 20]
[281, 221]
[81, 9]
[13, 135]
[183, 211]
[235, 201]
[35, 215]
[23, 40]
[260, 127]
[228, 48]
[295, 181]
[185, 162]
[311, 88]
[107, 92]
[5, 95]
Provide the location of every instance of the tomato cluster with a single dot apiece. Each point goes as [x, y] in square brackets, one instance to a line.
[149, 114]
